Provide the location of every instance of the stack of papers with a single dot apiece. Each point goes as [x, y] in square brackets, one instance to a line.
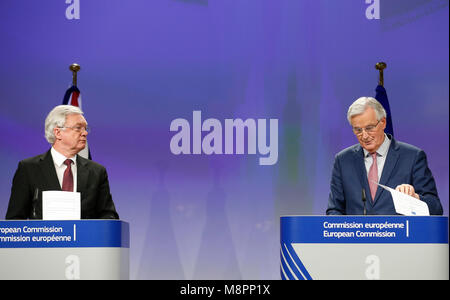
[57, 205]
[407, 205]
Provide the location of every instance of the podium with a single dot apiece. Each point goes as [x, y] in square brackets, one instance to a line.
[364, 247]
[81, 249]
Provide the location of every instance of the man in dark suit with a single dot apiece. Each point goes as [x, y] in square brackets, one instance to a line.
[61, 168]
[378, 158]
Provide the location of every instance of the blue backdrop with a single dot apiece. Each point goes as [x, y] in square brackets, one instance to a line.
[146, 63]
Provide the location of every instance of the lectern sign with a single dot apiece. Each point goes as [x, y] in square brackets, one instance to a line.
[364, 247]
[62, 234]
[82, 249]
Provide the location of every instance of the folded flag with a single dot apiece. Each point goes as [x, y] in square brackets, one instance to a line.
[73, 97]
[381, 96]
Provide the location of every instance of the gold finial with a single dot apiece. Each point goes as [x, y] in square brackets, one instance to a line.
[380, 67]
[74, 68]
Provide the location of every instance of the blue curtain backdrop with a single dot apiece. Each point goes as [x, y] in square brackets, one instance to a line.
[146, 63]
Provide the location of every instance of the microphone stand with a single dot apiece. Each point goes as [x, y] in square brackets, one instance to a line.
[364, 201]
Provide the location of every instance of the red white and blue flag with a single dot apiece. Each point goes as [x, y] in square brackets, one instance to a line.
[73, 97]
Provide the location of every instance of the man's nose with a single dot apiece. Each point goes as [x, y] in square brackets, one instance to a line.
[364, 134]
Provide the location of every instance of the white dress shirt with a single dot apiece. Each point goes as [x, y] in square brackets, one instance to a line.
[58, 160]
[381, 157]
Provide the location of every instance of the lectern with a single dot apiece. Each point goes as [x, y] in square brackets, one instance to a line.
[364, 247]
[82, 249]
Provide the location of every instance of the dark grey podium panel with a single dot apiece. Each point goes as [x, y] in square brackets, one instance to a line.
[84, 249]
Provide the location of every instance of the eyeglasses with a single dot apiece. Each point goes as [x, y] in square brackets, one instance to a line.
[79, 128]
[368, 129]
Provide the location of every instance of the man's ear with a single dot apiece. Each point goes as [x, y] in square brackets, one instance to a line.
[57, 133]
[383, 122]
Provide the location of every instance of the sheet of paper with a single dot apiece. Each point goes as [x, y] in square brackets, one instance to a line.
[58, 205]
[407, 205]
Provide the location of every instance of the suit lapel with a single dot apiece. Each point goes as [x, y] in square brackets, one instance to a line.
[49, 172]
[361, 169]
[82, 174]
[389, 166]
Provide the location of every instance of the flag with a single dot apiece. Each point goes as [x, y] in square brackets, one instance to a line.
[73, 97]
[381, 96]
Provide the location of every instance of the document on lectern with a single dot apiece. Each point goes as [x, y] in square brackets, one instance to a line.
[407, 205]
[58, 205]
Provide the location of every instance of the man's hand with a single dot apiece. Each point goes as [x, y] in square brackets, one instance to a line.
[407, 189]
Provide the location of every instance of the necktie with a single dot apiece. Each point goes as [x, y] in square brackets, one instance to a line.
[67, 184]
[373, 176]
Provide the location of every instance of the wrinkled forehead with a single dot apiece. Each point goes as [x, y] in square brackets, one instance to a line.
[366, 118]
[75, 119]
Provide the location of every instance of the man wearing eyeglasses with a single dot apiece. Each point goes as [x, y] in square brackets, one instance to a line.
[62, 169]
[378, 158]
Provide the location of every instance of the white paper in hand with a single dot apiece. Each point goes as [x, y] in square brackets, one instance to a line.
[58, 205]
[407, 205]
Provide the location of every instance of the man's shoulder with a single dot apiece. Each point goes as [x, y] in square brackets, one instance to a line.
[349, 151]
[90, 163]
[395, 144]
[402, 146]
[35, 159]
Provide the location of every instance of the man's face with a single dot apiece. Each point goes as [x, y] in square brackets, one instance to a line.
[72, 138]
[372, 134]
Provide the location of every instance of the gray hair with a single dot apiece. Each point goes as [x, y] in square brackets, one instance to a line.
[360, 106]
[57, 118]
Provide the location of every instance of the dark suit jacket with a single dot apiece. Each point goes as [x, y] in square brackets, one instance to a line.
[405, 164]
[38, 174]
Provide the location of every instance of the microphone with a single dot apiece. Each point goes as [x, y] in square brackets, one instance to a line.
[34, 203]
[364, 200]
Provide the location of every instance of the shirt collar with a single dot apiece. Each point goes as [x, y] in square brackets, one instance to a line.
[384, 148]
[59, 159]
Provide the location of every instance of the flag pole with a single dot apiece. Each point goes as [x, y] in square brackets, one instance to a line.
[74, 68]
[380, 67]
[381, 96]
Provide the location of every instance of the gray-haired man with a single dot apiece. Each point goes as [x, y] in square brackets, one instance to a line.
[61, 168]
[378, 158]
